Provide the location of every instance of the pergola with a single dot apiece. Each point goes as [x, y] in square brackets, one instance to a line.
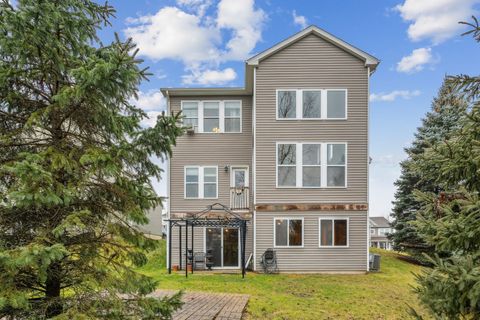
[202, 219]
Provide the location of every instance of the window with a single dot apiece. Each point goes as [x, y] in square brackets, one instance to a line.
[336, 165]
[336, 104]
[286, 160]
[287, 103]
[191, 182]
[288, 232]
[311, 104]
[232, 116]
[372, 231]
[333, 232]
[190, 113]
[213, 116]
[201, 182]
[383, 231]
[311, 165]
[312, 101]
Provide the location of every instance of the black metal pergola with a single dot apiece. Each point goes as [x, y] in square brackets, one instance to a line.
[230, 219]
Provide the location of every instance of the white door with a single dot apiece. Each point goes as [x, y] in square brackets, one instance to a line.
[239, 178]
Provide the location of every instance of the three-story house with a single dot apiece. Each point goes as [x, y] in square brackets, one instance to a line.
[288, 151]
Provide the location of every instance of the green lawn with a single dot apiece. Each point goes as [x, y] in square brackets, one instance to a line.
[383, 295]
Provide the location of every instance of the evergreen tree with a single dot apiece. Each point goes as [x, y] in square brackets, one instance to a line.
[438, 124]
[75, 167]
[450, 220]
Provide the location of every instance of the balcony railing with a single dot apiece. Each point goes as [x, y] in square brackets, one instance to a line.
[239, 198]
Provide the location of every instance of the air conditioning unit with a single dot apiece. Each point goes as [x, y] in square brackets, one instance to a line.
[192, 130]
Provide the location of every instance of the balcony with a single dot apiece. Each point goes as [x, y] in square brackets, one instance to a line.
[239, 198]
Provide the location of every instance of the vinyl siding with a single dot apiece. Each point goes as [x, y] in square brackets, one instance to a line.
[312, 63]
[209, 149]
[312, 258]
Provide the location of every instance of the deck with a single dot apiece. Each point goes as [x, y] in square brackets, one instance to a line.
[209, 306]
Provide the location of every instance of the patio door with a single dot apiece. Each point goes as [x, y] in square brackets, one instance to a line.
[224, 245]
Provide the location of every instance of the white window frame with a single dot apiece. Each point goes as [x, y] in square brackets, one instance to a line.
[382, 231]
[299, 165]
[333, 231]
[198, 110]
[323, 104]
[372, 231]
[201, 184]
[288, 235]
[221, 115]
[241, 116]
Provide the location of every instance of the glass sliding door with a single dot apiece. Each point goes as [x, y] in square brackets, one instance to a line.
[213, 243]
[223, 243]
[230, 247]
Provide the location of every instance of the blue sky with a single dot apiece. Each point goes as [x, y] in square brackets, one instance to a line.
[205, 42]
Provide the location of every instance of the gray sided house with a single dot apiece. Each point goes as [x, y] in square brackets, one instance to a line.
[379, 229]
[288, 152]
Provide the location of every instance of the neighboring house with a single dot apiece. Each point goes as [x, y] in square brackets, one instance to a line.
[379, 229]
[289, 152]
[154, 227]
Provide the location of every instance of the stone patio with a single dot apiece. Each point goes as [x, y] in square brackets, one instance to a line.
[209, 306]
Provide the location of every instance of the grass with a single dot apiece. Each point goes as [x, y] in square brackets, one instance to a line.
[383, 295]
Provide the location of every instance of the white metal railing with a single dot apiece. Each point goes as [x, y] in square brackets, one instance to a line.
[239, 198]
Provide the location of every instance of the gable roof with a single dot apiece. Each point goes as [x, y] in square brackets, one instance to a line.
[370, 61]
[379, 222]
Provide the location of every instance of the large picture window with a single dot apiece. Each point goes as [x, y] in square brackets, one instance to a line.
[311, 104]
[213, 116]
[201, 182]
[333, 232]
[288, 232]
[311, 165]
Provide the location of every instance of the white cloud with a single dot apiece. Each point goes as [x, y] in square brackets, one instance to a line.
[246, 24]
[151, 119]
[299, 20]
[151, 100]
[416, 60]
[198, 6]
[392, 96]
[174, 34]
[209, 77]
[195, 38]
[435, 19]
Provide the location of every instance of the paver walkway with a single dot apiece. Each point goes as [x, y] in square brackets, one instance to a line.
[208, 306]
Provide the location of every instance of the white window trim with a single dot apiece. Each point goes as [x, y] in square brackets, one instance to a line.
[288, 236]
[241, 115]
[299, 104]
[333, 231]
[201, 184]
[299, 165]
[221, 115]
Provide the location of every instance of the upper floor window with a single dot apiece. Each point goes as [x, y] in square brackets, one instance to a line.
[201, 182]
[383, 231]
[213, 116]
[190, 113]
[311, 104]
[288, 232]
[311, 165]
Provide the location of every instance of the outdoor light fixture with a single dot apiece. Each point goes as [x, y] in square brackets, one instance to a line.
[226, 168]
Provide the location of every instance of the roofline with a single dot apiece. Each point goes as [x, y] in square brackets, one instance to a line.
[232, 91]
[370, 61]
